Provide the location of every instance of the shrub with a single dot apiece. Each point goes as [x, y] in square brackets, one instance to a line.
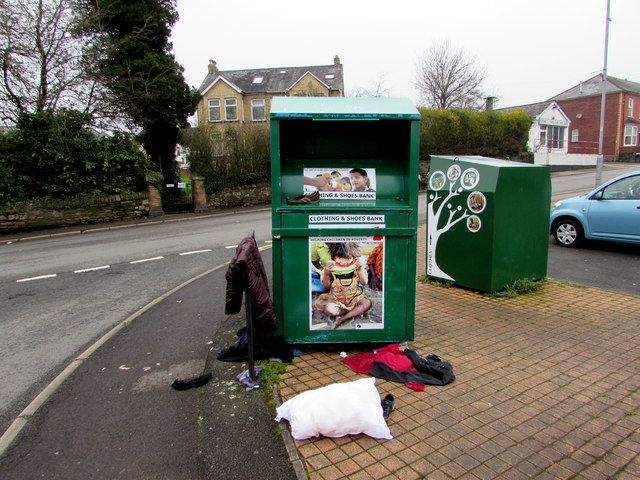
[55, 154]
[11, 181]
[121, 165]
[469, 132]
[229, 156]
[439, 131]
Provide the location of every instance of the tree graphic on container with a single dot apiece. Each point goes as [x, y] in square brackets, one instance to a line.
[451, 200]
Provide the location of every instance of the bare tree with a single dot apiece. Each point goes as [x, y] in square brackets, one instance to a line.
[378, 88]
[447, 77]
[41, 60]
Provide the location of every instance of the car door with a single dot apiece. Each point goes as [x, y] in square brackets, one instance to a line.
[615, 214]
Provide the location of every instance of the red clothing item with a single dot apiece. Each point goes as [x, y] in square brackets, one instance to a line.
[390, 355]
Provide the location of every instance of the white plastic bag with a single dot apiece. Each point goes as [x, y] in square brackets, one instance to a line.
[336, 410]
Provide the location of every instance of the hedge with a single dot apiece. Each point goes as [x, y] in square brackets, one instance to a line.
[468, 132]
[228, 156]
[56, 154]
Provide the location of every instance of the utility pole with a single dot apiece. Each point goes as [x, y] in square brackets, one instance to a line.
[600, 160]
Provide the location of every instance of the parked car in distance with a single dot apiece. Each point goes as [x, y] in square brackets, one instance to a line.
[611, 212]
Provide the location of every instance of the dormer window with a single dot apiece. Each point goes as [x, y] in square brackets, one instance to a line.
[258, 79]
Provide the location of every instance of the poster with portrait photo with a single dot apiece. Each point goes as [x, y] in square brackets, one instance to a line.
[346, 283]
[351, 183]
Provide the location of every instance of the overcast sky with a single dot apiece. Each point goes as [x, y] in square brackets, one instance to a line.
[530, 49]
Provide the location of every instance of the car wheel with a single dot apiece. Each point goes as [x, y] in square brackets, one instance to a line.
[567, 232]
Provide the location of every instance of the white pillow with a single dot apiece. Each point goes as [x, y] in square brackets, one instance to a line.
[336, 410]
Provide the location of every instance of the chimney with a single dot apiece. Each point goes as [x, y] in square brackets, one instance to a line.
[213, 69]
[336, 60]
[580, 87]
[488, 103]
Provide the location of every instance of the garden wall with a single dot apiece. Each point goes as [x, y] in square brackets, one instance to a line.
[243, 196]
[104, 208]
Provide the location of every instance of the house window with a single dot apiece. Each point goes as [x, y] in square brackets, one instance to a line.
[257, 110]
[552, 136]
[630, 108]
[231, 109]
[575, 135]
[214, 110]
[630, 135]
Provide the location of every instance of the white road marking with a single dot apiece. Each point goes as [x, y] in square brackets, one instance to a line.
[92, 269]
[231, 246]
[37, 278]
[268, 241]
[147, 260]
[195, 251]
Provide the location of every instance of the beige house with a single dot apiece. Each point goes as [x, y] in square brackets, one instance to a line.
[244, 96]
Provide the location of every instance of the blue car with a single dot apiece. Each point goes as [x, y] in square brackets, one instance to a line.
[611, 212]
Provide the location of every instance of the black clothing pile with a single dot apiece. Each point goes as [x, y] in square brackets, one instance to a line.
[430, 370]
[403, 366]
[263, 349]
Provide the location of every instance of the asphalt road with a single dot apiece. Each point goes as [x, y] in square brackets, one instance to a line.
[46, 321]
[70, 253]
[610, 266]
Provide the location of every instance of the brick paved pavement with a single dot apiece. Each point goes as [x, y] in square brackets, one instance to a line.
[547, 387]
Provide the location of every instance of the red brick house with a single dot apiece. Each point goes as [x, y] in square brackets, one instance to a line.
[573, 117]
[622, 118]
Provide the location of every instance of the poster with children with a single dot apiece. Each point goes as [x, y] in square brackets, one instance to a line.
[346, 283]
[341, 183]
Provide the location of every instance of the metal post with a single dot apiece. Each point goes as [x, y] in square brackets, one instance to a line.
[249, 314]
[600, 160]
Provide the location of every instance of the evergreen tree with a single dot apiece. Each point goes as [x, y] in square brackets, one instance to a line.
[135, 64]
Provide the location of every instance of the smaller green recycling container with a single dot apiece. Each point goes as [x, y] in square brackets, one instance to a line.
[487, 221]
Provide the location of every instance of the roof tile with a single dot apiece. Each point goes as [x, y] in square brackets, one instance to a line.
[276, 80]
[593, 86]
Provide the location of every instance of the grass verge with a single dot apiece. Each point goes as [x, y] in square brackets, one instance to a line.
[436, 283]
[519, 287]
[269, 376]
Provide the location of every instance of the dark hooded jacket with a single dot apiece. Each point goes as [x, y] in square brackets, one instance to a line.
[246, 272]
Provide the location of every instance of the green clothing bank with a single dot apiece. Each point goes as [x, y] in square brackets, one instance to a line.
[344, 218]
[487, 222]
